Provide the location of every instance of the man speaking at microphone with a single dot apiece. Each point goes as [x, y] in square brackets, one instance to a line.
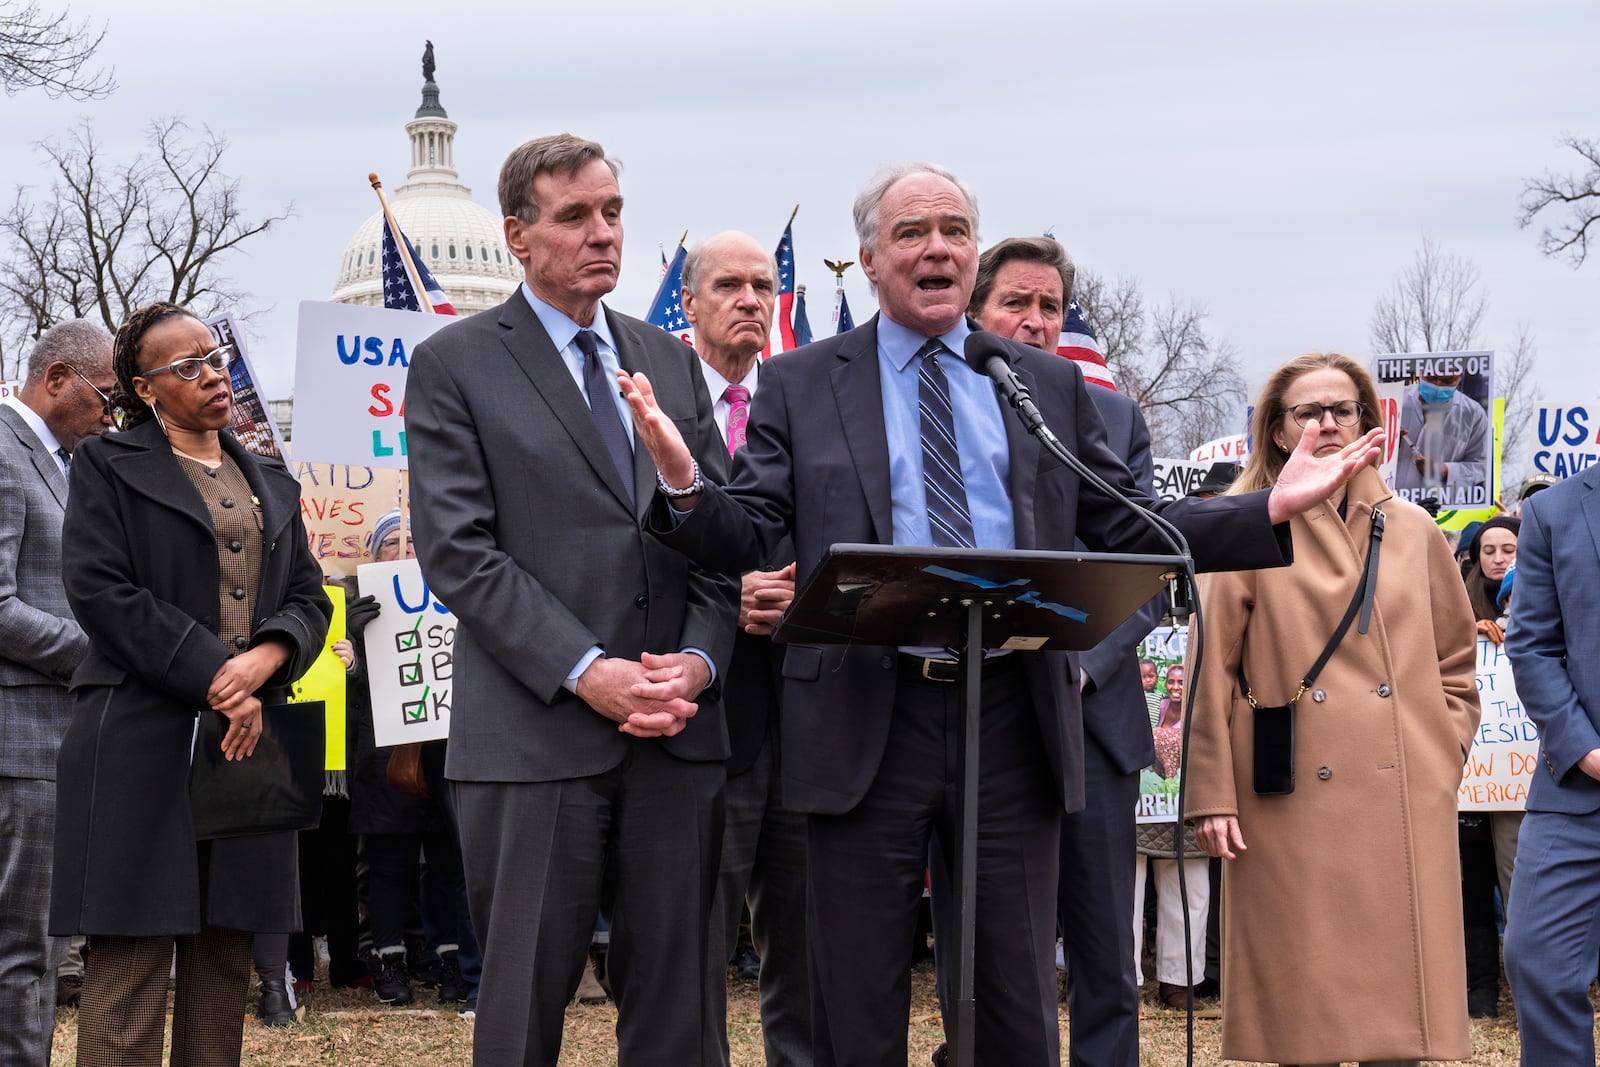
[886, 435]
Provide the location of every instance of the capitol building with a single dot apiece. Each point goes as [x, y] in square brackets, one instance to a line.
[460, 240]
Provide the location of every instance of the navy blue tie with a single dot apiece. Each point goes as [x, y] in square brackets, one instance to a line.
[601, 388]
[949, 521]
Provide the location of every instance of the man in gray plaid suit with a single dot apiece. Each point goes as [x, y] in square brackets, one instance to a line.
[60, 403]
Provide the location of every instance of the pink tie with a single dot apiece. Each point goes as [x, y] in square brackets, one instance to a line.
[738, 398]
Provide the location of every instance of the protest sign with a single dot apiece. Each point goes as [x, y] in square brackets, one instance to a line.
[324, 681]
[350, 382]
[1505, 751]
[1233, 448]
[1568, 439]
[410, 650]
[1175, 478]
[9, 389]
[339, 505]
[1161, 671]
[250, 419]
[1445, 446]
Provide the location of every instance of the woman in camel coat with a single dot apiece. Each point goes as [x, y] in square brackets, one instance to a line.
[1342, 902]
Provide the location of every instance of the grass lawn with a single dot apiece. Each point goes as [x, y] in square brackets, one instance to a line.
[351, 1027]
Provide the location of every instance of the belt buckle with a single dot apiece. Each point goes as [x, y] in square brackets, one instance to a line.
[928, 665]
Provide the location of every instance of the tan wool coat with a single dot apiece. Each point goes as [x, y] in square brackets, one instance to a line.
[1341, 923]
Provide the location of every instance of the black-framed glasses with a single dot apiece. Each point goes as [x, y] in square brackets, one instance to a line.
[1345, 412]
[105, 401]
[189, 369]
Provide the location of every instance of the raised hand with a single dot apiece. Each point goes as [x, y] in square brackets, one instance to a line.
[658, 433]
[1308, 479]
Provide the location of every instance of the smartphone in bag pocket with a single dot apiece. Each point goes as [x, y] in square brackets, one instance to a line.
[1272, 735]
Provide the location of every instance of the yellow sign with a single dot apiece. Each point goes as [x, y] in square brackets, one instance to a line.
[324, 681]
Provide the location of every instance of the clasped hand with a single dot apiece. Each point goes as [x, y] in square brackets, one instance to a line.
[232, 692]
[651, 697]
[764, 597]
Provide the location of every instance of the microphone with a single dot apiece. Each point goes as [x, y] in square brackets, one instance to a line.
[988, 354]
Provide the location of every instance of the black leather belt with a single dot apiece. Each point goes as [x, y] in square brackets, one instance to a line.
[934, 669]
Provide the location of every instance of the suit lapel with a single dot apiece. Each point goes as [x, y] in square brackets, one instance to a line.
[634, 357]
[147, 466]
[858, 390]
[1591, 504]
[43, 462]
[274, 486]
[1023, 449]
[530, 346]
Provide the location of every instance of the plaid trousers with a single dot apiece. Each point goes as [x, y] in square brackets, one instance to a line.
[28, 956]
[122, 1016]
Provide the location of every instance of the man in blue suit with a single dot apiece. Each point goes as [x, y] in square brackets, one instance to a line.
[1553, 924]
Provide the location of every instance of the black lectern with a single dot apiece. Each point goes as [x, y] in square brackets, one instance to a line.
[968, 600]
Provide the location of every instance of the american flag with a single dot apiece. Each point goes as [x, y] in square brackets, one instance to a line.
[666, 310]
[398, 290]
[802, 325]
[1079, 345]
[782, 337]
[841, 312]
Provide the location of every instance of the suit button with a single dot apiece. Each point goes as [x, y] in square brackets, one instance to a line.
[227, 502]
[1319, 695]
[1384, 690]
[887, 663]
[241, 642]
[1324, 773]
[640, 601]
[235, 546]
[238, 593]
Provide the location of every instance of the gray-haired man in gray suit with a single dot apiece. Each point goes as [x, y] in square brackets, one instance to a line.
[61, 402]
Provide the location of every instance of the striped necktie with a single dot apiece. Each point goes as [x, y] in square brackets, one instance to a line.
[949, 521]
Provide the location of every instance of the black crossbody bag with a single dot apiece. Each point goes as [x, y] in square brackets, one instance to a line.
[1272, 728]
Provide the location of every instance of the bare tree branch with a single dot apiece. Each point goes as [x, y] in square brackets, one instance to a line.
[1576, 198]
[1515, 381]
[1188, 384]
[1434, 305]
[109, 238]
[46, 50]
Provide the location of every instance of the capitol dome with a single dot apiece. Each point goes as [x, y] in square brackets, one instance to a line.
[459, 240]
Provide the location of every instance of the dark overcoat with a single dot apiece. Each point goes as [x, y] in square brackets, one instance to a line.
[141, 572]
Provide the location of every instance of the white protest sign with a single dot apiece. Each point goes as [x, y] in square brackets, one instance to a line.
[350, 382]
[1176, 478]
[1569, 439]
[410, 651]
[1505, 752]
[1233, 448]
[9, 389]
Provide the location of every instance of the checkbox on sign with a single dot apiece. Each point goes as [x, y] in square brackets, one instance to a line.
[406, 640]
[414, 711]
[411, 673]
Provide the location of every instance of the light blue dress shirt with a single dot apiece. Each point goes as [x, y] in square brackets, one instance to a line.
[980, 437]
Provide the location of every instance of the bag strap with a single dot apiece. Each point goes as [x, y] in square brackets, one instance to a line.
[1366, 592]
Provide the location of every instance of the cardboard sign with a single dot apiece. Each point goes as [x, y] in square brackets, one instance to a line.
[1234, 448]
[339, 505]
[1505, 752]
[1568, 440]
[410, 649]
[324, 680]
[350, 382]
[1163, 650]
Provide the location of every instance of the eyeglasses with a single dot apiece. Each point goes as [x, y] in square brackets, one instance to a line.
[105, 401]
[189, 369]
[1345, 413]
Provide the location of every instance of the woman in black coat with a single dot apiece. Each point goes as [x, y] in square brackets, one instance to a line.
[185, 559]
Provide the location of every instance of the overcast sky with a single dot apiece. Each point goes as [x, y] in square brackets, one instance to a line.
[1277, 162]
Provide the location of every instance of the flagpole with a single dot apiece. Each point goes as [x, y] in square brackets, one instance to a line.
[402, 246]
[668, 269]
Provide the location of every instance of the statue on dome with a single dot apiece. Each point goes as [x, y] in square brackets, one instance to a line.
[427, 62]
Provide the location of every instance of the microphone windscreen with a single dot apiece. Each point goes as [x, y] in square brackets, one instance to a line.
[981, 346]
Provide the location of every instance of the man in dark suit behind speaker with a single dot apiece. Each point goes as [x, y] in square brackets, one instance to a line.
[586, 741]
